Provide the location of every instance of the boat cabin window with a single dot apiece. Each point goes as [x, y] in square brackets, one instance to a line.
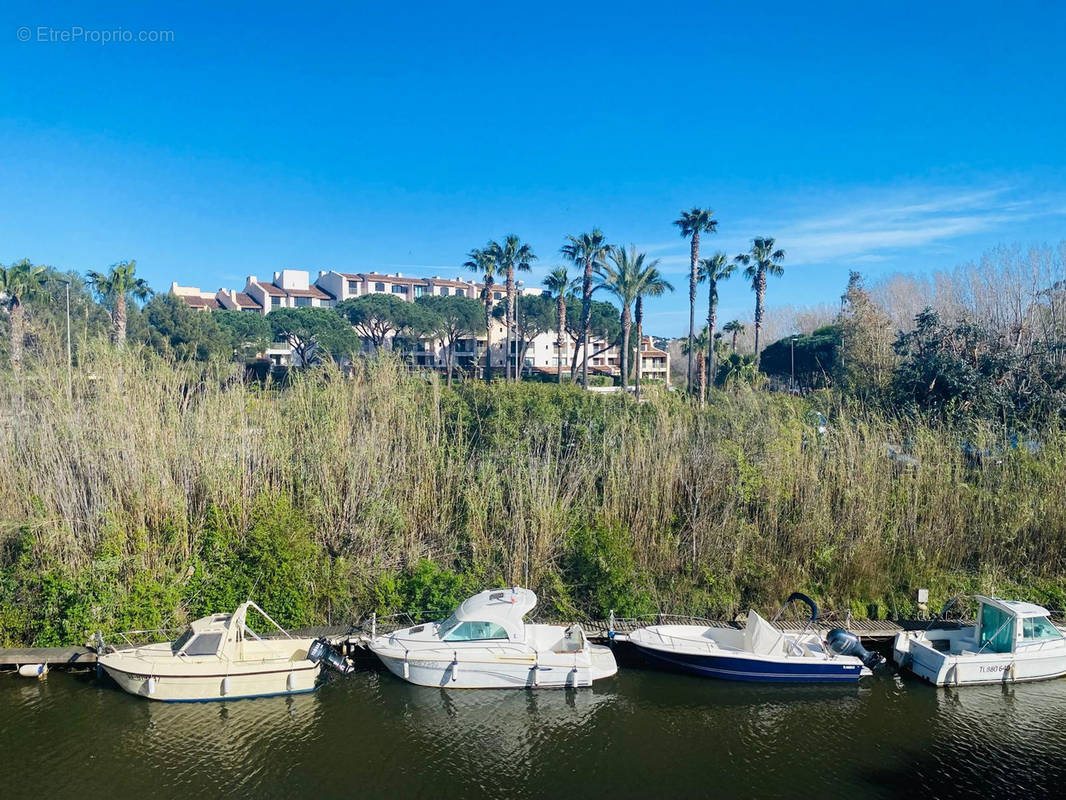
[473, 631]
[206, 644]
[1039, 628]
[182, 640]
[997, 630]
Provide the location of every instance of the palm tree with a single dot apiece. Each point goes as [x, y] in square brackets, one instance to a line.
[760, 261]
[587, 251]
[701, 344]
[114, 289]
[558, 283]
[649, 282]
[20, 282]
[734, 327]
[481, 260]
[619, 277]
[714, 269]
[692, 223]
[510, 256]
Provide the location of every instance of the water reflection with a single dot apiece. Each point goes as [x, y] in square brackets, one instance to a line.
[641, 733]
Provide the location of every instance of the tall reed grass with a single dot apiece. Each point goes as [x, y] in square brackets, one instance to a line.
[155, 490]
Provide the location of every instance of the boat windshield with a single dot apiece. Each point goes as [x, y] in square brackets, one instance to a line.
[474, 631]
[1036, 628]
[444, 628]
[997, 630]
[182, 640]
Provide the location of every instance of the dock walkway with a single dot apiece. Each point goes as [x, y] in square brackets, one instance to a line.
[351, 638]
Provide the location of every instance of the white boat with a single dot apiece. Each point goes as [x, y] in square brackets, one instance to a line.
[485, 644]
[1011, 642]
[758, 651]
[216, 658]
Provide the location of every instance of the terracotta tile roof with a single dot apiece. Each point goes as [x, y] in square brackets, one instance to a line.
[376, 276]
[195, 301]
[247, 301]
[270, 288]
[447, 282]
[314, 291]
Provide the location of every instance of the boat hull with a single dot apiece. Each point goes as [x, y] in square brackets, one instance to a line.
[737, 667]
[503, 671]
[945, 669]
[203, 688]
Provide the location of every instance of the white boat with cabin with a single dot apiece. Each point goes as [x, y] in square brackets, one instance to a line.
[486, 644]
[1011, 642]
[216, 658]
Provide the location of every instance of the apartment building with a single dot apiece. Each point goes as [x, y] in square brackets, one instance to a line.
[194, 298]
[291, 288]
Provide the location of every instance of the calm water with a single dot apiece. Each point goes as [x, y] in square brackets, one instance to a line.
[642, 733]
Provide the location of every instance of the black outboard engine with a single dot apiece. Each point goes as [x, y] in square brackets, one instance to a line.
[321, 651]
[845, 643]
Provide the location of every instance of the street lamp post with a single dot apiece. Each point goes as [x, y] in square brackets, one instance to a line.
[70, 368]
[792, 376]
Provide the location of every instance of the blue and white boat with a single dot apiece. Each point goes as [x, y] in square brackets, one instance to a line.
[759, 651]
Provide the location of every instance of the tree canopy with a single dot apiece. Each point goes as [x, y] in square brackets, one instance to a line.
[315, 334]
[176, 331]
[378, 316]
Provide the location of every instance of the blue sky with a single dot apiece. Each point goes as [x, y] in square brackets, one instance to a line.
[883, 137]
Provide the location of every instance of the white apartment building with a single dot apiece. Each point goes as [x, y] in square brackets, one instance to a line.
[292, 288]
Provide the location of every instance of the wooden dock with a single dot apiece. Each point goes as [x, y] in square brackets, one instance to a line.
[353, 639]
[52, 656]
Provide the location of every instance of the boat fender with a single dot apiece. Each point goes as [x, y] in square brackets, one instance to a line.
[455, 666]
[406, 667]
[290, 682]
[33, 670]
[1012, 671]
[225, 686]
[845, 643]
[151, 686]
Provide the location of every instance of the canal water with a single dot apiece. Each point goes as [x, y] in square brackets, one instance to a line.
[643, 733]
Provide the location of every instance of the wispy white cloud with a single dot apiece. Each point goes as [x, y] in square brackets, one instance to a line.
[877, 227]
[873, 227]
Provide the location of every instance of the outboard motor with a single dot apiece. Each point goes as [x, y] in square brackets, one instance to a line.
[845, 643]
[321, 651]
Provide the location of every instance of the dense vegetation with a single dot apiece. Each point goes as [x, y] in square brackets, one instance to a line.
[158, 491]
[153, 481]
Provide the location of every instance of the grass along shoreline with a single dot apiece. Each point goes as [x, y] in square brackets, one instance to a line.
[164, 491]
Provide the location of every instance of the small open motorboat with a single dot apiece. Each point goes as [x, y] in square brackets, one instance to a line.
[1011, 642]
[759, 651]
[219, 658]
[485, 644]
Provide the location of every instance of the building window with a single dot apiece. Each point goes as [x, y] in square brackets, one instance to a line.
[302, 302]
[379, 287]
[396, 289]
[253, 310]
[275, 301]
[353, 287]
[497, 295]
[460, 292]
[419, 291]
[444, 291]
